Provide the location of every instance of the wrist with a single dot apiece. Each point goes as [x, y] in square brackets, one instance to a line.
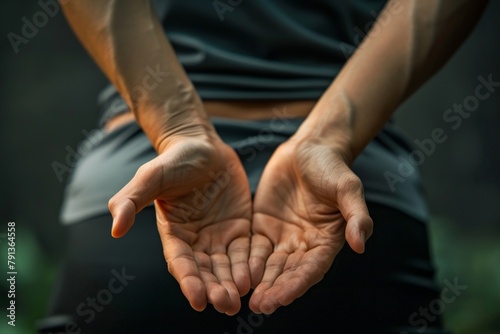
[189, 125]
[331, 123]
[174, 116]
[163, 127]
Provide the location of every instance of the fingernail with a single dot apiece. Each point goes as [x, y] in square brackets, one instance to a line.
[113, 227]
[362, 235]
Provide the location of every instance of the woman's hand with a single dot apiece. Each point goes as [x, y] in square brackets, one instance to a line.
[307, 204]
[203, 209]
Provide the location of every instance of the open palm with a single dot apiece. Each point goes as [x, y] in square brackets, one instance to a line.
[307, 204]
[203, 209]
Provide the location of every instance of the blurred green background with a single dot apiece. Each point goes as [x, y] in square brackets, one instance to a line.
[47, 97]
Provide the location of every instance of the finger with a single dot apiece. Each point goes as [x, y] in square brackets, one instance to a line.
[301, 272]
[221, 268]
[136, 195]
[260, 250]
[353, 207]
[184, 268]
[269, 300]
[216, 293]
[238, 255]
[273, 269]
[356, 232]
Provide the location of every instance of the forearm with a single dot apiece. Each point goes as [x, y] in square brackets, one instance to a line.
[396, 57]
[128, 43]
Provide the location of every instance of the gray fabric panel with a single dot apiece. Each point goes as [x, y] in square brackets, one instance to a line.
[114, 160]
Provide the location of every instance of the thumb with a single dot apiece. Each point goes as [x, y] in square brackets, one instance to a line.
[353, 207]
[135, 196]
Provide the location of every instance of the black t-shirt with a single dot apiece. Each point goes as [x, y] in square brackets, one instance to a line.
[261, 49]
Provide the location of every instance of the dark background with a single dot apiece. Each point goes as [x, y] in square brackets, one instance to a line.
[47, 98]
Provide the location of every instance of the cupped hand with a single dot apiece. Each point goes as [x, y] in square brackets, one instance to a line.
[203, 210]
[307, 204]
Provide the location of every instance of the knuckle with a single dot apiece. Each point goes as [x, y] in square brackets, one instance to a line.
[144, 170]
[112, 204]
[351, 183]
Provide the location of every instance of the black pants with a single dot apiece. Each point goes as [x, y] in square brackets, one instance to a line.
[123, 286]
[111, 285]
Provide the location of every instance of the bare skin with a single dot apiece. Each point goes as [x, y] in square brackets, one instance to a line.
[308, 202]
[205, 237]
[243, 110]
[299, 221]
